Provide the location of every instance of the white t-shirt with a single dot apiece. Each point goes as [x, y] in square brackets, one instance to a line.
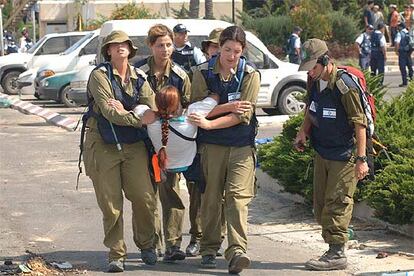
[297, 42]
[180, 152]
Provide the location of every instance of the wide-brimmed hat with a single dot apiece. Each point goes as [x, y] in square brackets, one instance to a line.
[312, 49]
[117, 37]
[213, 37]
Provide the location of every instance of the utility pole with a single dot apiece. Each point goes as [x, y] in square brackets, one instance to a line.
[34, 24]
[1, 30]
[232, 11]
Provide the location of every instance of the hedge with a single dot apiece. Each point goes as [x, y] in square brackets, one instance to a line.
[391, 194]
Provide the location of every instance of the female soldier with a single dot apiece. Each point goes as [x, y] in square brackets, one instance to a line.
[115, 156]
[227, 148]
[161, 71]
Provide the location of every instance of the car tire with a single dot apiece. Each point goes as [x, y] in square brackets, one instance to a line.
[271, 111]
[64, 97]
[9, 82]
[292, 100]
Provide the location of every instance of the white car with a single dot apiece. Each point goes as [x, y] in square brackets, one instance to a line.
[282, 86]
[75, 57]
[48, 47]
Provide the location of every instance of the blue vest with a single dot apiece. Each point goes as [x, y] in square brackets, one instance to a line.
[376, 41]
[236, 136]
[124, 134]
[291, 43]
[174, 78]
[184, 57]
[332, 134]
[365, 44]
[405, 42]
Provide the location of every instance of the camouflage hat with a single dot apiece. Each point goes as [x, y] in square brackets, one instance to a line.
[312, 49]
[117, 37]
[213, 37]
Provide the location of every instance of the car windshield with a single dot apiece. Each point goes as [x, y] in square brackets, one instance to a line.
[77, 44]
[36, 45]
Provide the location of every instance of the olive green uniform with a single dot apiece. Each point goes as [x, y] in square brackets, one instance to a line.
[173, 208]
[113, 172]
[335, 181]
[229, 172]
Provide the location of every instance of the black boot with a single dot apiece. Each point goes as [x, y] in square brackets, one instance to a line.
[333, 259]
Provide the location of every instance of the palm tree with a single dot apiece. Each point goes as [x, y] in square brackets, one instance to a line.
[194, 8]
[209, 9]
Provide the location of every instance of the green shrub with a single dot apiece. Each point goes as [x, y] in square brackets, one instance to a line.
[391, 194]
[344, 27]
[270, 29]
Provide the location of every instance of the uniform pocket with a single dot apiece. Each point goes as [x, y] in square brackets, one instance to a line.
[89, 148]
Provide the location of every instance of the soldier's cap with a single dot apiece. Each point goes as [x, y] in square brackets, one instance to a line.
[393, 6]
[117, 37]
[213, 37]
[180, 28]
[312, 50]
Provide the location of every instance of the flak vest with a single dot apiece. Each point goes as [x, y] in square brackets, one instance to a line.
[236, 136]
[404, 42]
[176, 77]
[332, 134]
[184, 57]
[124, 134]
[376, 41]
[292, 40]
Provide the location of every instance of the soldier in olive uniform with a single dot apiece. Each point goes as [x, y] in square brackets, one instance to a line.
[161, 72]
[115, 156]
[227, 150]
[336, 124]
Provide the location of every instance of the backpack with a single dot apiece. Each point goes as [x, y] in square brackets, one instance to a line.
[411, 39]
[368, 105]
[365, 45]
[376, 41]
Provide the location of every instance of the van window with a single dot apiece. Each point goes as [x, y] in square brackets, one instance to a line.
[92, 47]
[254, 55]
[36, 45]
[53, 46]
[73, 39]
[77, 44]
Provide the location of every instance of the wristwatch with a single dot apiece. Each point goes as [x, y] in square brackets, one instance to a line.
[361, 158]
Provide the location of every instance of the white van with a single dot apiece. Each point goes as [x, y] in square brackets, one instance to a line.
[75, 57]
[282, 85]
[49, 46]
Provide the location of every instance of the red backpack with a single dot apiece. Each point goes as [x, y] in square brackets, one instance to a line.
[367, 99]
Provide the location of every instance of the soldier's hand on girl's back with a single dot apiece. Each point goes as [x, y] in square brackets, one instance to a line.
[116, 104]
[149, 117]
[239, 107]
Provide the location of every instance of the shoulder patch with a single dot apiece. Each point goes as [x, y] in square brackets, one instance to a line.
[202, 66]
[102, 68]
[144, 68]
[343, 88]
[249, 69]
[178, 70]
[140, 72]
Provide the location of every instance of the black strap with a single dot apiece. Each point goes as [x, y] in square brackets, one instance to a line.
[180, 135]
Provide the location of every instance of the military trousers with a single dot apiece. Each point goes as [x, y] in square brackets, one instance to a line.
[229, 173]
[173, 211]
[334, 187]
[113, 174]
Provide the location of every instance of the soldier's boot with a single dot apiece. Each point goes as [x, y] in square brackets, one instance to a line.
[333, 259]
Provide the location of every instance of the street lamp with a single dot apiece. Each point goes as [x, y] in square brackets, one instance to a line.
[1, 30]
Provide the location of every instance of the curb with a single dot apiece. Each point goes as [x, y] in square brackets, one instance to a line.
[361, 210]
[269, 120]
[50, 117]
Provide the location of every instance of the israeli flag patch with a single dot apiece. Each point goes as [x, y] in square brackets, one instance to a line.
[329, 113]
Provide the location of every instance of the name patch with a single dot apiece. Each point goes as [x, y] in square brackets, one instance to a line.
[231, 97]
[329, 113]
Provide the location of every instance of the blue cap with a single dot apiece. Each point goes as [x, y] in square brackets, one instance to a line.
[180, 28]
